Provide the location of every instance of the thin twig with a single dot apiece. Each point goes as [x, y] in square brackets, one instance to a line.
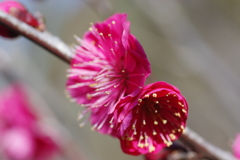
[200, 145]
[61, 50]
[51, 43]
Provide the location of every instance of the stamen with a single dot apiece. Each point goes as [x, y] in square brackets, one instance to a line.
[164, 121]
[144, 122]
[154, 95]
[184, 111]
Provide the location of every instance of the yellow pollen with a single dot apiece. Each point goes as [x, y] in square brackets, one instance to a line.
[169, 144]
[183, 106]
[133, 126]
[123, 71]
[167, 100]
[146, 96]
[135, 133]
[180, 103]
[111, 126]
[174, 95]
[154, 95]
[173, 131]
[101, 34]
[107, 92]
[92, 128]
[141, 137]
[156, 102]
[164, 121]
[179, 130]
[146, 145]
[166, 95]
[144, 122]
[93, 85]
[90, 29]
[140, 145]
[115, 42]
[109, 35]
[172, 136]
[177, 114]
[184, 111]
[156, 111]
[154, 133]
[155, 122]
[139, 100]
[151, 149]
[89, 96]
[111, 49]
[113, 22]
[182, 127]
[115, 86]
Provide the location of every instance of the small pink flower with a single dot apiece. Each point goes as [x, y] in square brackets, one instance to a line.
[21, 136]
[109, 64]
[236, 147]
[152, 119]
[17, 10]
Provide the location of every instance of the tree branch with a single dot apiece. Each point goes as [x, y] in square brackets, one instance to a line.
[203, 147]
[51, 43]
[54, 45]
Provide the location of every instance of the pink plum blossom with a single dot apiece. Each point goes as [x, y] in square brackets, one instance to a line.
[109, 64]
[17, 10]
[152, 119]
[21, 136]
[236, 147]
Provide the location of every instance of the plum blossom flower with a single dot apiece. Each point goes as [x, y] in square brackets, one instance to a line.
[21, 136]
[152, 119]
[17, 10]
[236, 147]
[109, 64]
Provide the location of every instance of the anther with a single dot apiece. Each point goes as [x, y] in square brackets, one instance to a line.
[172, 136]
[154, 95]
[144, 122]
[184, 111]
[146, 96]
[113, 22]
[155, 122]
[151, 149]
[164, 121]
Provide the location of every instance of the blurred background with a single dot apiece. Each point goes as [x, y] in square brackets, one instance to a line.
[191, 44]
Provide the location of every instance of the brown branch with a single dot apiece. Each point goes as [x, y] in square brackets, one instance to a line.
[203, 147]
[61, 50]
[51, 43]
